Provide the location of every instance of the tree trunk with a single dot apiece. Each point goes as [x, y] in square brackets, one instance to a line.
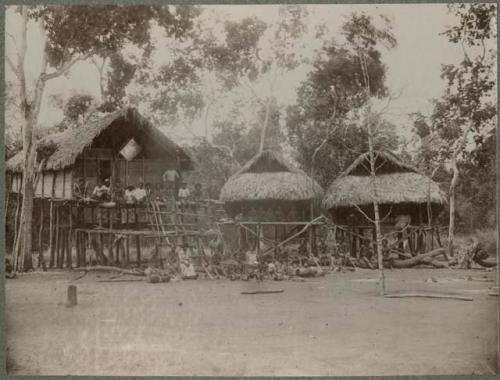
[376, 212]
[264, 125]
[453, 184]
[31, 109]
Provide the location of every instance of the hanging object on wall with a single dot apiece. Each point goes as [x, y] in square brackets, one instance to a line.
[131, 150]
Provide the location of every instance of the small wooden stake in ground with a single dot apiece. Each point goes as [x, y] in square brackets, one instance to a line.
[72, 300]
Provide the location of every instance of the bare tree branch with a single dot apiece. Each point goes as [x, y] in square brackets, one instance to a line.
[362, 212]
[13, 67]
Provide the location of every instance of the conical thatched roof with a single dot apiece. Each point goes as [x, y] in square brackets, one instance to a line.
[396, 182]
[268, 176]
[68, 145]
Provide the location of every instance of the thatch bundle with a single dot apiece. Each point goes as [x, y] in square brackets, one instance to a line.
[68, 145]
[268, 177]
[396, 183]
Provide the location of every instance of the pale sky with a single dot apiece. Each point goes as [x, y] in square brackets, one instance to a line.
[413, 67]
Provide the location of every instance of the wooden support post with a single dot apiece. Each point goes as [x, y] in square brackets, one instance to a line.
[77, 249]
[41, 259]
[127, 249]
[56, 228]
[258, 240]
[111, 251]
[16, 218]
[85, 239]
[69, 259]
[138, 249]
[432, 239]
[438, 238]
[51, 234]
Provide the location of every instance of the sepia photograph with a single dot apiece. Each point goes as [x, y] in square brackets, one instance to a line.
[250, 190]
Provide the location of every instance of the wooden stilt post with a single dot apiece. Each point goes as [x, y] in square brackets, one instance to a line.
[438, 238]
[16, 221]
[69, 260]
[57, 244]
[41, 260]
[138, 249]
[51, 234]
[111, 251]
[85, 240]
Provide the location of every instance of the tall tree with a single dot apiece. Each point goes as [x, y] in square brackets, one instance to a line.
[227, 66]
[326, 107]
[466, 112]
[365, 37]
[71, 34]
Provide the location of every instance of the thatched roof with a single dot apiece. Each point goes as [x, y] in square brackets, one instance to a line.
[68, 145]
[268, 176]
[396, 182]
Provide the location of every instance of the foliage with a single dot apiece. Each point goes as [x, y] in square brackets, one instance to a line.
[119, 75]
[81, 29]
[244, 140]
[466, 112]
[77, 106]
[212, 168]
[330, 96]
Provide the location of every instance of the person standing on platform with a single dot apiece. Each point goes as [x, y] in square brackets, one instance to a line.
[184, 195]
[170, 178]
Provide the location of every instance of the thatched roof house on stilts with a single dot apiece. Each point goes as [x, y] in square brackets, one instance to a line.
[270, 189]
[271, 194]
[402, 192]
[122, 147]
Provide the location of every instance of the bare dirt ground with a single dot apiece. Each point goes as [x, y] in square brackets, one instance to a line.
[335, 325]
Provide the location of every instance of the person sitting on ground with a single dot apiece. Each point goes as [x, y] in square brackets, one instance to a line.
[187, 270]
[388, 256]
[303, 252]
[140, 194]
[102, 191]
[366, 253]
[324, 257]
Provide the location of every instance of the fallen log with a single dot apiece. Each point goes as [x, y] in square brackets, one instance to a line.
[80, 276]
[486, 263]
[429, 295]
[436, 263]
[424, 258]
[264, 291]
[103, 268]
[122, 280]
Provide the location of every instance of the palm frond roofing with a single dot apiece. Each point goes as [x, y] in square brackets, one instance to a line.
[398, 182]
[68, 145]
[267, 176]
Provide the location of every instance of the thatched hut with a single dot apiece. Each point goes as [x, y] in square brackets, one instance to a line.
[267, 188]
[399, 188]
[122, 146]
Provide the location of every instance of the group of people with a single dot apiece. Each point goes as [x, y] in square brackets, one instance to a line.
[142, 192]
